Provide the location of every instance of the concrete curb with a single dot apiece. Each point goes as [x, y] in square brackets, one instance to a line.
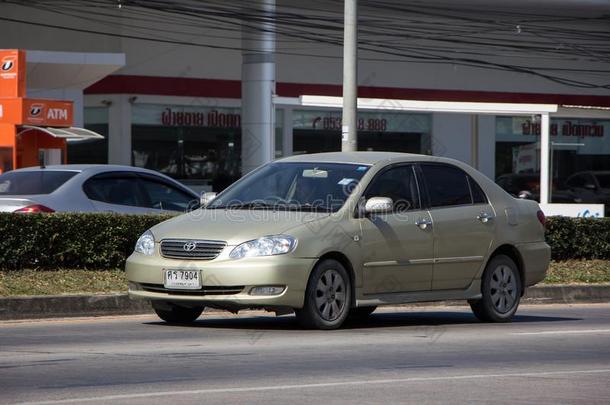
[60, 306]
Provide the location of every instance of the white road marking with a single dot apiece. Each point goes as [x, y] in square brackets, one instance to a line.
[309, 386]
[563, 332]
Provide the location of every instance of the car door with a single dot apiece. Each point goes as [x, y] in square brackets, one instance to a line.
[397, 253]
[116, 192]
[464, 224]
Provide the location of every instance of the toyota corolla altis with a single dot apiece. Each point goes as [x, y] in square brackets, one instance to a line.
[334, 235]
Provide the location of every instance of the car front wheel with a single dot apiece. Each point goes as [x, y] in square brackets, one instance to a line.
[176, 314]
[501, 290]
[327, 298]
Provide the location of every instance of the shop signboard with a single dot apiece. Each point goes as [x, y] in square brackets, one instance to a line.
[27, 111]
[186, 116]
[585, 136]
[12, 73]
[366, 121]
[574, 210]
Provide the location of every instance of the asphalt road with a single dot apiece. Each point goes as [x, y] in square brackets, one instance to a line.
[551, 354]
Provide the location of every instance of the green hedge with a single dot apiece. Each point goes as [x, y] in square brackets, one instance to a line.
[78, 241]
[103, 241]
[578, 238]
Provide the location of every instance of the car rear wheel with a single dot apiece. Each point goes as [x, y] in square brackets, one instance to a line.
[501, 290]
[327, 298]
[176, 314]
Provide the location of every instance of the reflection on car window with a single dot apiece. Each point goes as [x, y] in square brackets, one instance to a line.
[294, 186]
[33, 182]
[114, 190]
[447, 185]
[164, 197]
[399, 184]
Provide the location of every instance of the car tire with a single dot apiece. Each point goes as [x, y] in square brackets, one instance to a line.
[501, 291]
[327, 297]
[360, 313]
[176, 314]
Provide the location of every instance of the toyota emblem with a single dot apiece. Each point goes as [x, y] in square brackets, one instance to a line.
[189, 246]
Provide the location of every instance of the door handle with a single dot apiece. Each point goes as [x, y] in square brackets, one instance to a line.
[423, 223]
[485, 217]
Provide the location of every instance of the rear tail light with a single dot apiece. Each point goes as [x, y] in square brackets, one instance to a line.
[33, 209]
[541, 217]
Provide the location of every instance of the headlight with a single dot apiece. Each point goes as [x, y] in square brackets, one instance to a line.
[146, 244]
[265, 246]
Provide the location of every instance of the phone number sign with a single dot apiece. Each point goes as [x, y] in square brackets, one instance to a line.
[375, 122]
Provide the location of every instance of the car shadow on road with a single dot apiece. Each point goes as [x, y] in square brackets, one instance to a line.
[376, 320]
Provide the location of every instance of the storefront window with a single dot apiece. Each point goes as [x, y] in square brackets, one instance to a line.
[580, 158]
[320, 131]
[195, 144]
[93, 151]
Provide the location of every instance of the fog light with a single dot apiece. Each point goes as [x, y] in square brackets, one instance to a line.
[134, 286]
[267, 290]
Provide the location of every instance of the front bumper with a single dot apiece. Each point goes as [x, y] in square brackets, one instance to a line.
[236, 277]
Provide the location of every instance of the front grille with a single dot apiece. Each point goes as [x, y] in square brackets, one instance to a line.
[205, 290]
[204, 249]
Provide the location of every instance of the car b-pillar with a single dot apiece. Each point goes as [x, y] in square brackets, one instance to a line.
[258, 86]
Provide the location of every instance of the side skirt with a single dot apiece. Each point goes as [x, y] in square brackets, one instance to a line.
[472, 292]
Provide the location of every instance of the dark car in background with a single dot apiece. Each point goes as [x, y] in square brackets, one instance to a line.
[591, 187]
[527, 185]
[93, 188]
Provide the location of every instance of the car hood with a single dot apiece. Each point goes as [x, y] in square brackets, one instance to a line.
[232, 226]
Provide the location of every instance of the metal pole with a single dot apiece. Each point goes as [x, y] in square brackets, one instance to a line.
[349, 136]
[258, 88]
[545, 161]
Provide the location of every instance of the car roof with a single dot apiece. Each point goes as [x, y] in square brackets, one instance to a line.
[90, 168]
[363, 158]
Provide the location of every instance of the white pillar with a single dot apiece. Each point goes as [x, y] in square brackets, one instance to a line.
[119, 131]
[545, 162]
[258, 88]
[349, 133]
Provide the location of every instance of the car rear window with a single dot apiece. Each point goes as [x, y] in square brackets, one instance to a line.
[33, 182]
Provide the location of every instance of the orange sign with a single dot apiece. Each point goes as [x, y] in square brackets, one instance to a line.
[12, 73]
[26, 111]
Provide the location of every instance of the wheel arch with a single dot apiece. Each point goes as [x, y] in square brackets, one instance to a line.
[342, 258]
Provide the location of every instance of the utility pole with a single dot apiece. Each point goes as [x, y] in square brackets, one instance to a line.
[349, 138]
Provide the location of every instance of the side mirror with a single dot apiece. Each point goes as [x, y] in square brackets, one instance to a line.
[378, 205]
[207, 198]
[590, 186]
[526, 195]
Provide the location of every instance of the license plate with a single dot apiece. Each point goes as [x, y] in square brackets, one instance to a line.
[182, 279]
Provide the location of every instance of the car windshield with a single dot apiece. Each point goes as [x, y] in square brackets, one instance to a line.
[603, 180]
[293, 186]
[33, 182]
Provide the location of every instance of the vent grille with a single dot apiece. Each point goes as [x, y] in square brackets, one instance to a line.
[191, 249]
[205, 290]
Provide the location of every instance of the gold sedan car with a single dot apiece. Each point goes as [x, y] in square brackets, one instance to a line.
[334, 235]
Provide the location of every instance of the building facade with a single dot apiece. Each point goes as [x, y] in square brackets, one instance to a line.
[176, 106]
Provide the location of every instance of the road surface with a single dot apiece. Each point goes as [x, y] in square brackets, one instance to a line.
[550, 354]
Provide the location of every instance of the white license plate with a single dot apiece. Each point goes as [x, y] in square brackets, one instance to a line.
[182, 279]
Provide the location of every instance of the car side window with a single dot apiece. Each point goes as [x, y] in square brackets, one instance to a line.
[448, 186]
[166, 197]
[478, 196]
[116, 190]
[398, 183]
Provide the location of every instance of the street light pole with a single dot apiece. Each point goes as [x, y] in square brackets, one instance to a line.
[349, 139]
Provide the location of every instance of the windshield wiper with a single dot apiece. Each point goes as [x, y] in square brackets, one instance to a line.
[247, 206]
